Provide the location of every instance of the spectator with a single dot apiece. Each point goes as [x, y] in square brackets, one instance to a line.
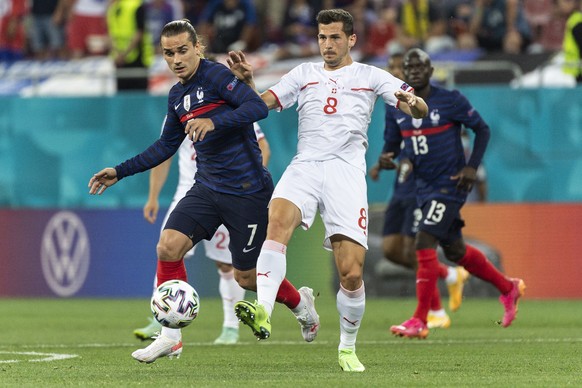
[229, 25]
[86, 27]
[299, 28]
[573, 39]
[501, 26]
[459, 14]
[381, 33]
[421, 24]
[193, 10]
[551, 32]
[158, 13]
[131, 45]
[12, 34]
[45, 29]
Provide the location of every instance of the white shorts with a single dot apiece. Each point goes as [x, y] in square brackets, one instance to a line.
[217, 247]
[337, 189]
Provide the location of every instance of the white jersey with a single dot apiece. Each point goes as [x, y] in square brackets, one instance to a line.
[335, 108]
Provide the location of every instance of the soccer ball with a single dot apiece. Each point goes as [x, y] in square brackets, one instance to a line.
[175, 304]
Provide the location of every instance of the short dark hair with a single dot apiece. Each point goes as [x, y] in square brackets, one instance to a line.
[176, 27]
[328, 16]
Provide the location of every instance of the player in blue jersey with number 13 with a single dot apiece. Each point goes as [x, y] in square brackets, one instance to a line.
[217, 112]
[443, 179]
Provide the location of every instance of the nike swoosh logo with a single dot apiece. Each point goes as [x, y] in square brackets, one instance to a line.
[427, 222]
[247, 250]
[177, 106]
[400, 120]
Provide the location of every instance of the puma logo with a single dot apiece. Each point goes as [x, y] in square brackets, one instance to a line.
[353, 323]
[266, 274]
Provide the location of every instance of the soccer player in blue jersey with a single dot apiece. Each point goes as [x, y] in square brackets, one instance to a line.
[443, 179]
[217, 112]
[401, 224]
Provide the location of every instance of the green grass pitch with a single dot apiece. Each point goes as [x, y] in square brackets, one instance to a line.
[88, 342]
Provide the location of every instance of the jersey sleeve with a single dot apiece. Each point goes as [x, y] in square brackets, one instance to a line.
[467, 115]
[248, 105]
[385, 85]
[392, 134]
[258, 131]
[286, 91]
[161, 150]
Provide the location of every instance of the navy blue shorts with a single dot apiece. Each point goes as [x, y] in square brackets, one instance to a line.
[442, 219]
[203, 210]
[400, 217]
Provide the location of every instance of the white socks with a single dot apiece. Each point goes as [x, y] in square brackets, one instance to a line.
[173, 334]
[230, 292]
[271, 269]
[351, 306]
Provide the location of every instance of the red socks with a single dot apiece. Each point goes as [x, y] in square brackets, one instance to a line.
[477, 264]
[288, 294]
[443, 270]
[426, 279]
[435, 302]
[171, 270]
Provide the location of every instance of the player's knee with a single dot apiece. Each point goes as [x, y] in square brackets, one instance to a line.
[246, 279]
[351, 280]
[454, 252]
[170, 250]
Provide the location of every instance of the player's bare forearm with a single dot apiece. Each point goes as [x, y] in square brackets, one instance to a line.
[411, 104]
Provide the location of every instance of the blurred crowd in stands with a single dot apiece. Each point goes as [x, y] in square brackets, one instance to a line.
[63, 29]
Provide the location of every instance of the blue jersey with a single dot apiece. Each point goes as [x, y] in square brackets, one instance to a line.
[228, 159]
[403, 189]
[434, 145]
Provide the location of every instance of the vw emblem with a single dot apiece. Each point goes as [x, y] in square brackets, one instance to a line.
[64, 253]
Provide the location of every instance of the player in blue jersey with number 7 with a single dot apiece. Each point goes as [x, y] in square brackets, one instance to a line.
[335, 100]
[443, 180]
[217, 112]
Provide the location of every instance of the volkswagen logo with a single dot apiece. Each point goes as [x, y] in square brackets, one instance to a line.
[64, 253]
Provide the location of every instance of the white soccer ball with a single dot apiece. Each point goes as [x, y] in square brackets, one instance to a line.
[175, 304]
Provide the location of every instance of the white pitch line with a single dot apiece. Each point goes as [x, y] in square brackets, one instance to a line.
[44, 357]
[396, 341]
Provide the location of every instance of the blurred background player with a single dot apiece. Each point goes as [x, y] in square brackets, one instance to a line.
[443, 179]
[401, 224]
[216, 249]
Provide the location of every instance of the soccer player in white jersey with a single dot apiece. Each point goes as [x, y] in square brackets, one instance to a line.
[335, 100]
[216, 248]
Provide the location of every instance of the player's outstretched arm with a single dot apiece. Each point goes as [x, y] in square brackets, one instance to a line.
[102, 180]
[244, 71]
[241, 68]
[413, 105]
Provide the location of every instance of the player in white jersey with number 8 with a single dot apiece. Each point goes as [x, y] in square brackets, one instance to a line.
[215, 248]
[335, 100]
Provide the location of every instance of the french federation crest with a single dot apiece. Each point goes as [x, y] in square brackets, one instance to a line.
[187, 102]
[416, 123]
